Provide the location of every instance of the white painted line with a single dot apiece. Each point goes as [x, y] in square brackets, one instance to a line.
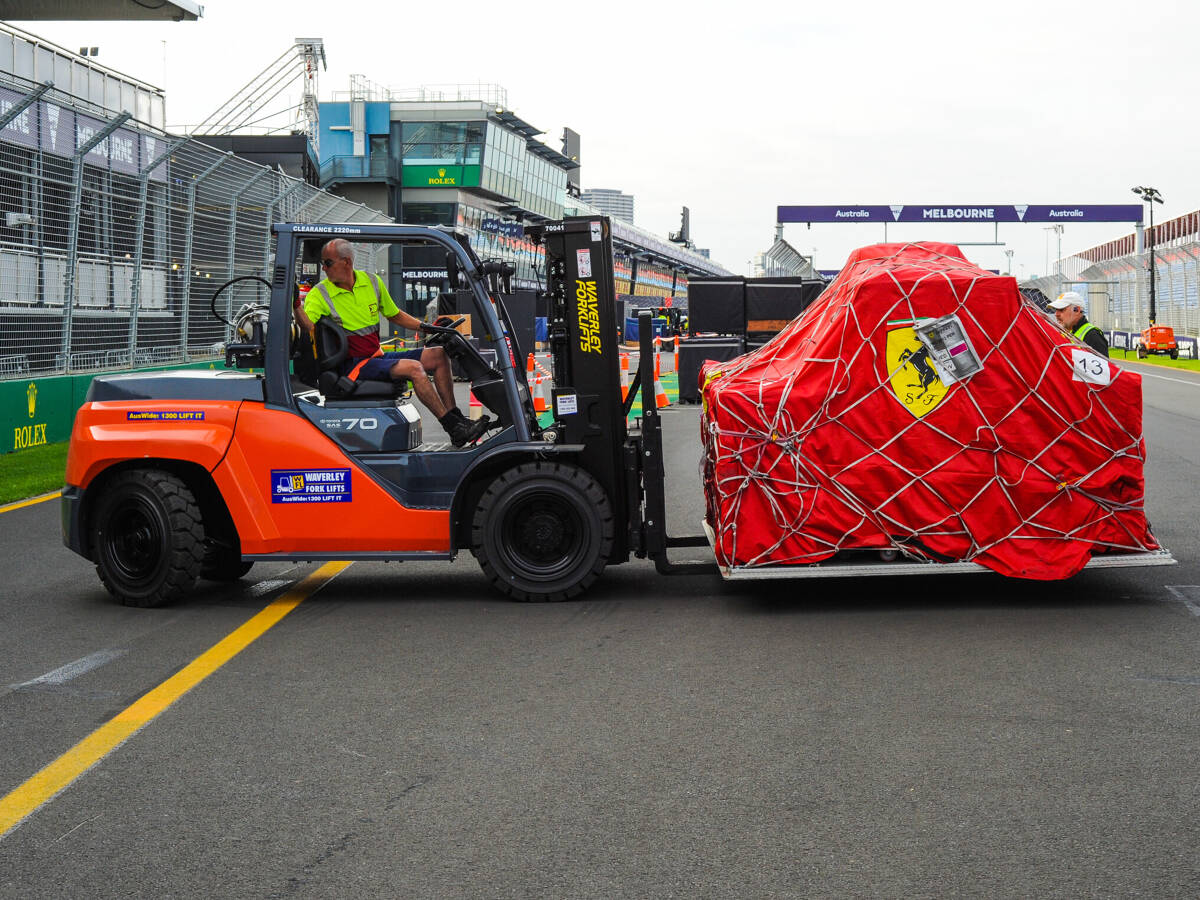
[77, 827]
[1188, 595]
[1145, 374]
[265, 587]
[1165, 378]
[270, 584]
[63, 674]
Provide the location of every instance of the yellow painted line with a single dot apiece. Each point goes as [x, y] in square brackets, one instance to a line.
[32, 500]
[58, 775]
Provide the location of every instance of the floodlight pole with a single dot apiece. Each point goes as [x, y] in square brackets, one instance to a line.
[1058, 230]
[1153, 312]
[1150, 195]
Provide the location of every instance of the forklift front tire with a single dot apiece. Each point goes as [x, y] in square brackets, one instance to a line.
[148, 537]
[543, 531]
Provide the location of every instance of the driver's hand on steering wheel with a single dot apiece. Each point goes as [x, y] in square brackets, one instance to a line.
[444, 321]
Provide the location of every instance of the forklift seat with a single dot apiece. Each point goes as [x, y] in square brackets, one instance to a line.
[337, 389]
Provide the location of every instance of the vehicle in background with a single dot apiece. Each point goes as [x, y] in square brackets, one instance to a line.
[1158, 339]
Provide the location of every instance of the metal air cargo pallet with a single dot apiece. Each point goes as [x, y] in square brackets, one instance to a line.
[910, 567]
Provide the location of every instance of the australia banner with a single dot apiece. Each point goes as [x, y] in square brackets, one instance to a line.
[996, 212]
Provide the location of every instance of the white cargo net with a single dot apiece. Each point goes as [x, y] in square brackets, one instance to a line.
[759, 445]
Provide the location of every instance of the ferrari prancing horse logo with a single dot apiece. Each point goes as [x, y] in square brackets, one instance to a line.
[915, 382]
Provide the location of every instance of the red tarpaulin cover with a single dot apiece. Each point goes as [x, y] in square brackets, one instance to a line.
[833, 436]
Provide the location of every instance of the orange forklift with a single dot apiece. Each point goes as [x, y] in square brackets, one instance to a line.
[199, 474]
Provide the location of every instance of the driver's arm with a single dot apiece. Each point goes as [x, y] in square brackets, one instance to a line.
[302, 318]
[404, 320]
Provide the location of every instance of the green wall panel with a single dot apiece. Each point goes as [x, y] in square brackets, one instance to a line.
[37, 411]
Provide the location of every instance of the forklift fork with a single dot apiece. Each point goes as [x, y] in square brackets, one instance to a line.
[654, 516]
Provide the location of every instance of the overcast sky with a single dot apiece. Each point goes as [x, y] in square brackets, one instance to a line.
[733, 109]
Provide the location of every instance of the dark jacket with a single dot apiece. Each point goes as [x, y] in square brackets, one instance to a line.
[1092, 336]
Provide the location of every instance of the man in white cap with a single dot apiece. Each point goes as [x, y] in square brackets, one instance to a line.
[1068, 309]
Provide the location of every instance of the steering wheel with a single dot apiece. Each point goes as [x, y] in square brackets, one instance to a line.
[217, 293]
[440, 335]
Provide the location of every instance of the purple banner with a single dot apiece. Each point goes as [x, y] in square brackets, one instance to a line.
[22, 129]
[1090, 212]
[836, 214]
[1119, 212]
[59, 130]
[948, 213]
[119, 149]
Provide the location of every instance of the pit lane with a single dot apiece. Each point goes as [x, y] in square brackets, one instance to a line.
[405, 731]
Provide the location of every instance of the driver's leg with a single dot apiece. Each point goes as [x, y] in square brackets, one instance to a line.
[437, 363]
[415, 373]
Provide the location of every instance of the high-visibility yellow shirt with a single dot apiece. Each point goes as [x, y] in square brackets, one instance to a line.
[358, 310]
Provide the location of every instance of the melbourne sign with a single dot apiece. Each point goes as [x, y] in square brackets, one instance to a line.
[61, 131]
[1118, 212]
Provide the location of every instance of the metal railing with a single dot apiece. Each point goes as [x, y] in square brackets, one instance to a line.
[1118, 290]
[336, 168]
[362, 88]
[113, 237]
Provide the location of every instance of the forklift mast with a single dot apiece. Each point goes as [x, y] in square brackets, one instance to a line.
[587, 404]
[584, 344]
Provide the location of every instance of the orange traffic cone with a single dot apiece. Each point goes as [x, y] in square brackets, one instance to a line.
[539, 395]
[530, 366]
[624, 376]
[476, 408]
[660, 395]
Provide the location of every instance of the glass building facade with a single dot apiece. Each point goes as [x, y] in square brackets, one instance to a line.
[471, 164]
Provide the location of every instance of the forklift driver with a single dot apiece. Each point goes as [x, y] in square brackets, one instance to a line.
[354, 299]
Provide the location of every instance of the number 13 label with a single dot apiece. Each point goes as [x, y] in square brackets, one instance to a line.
[1090, 368]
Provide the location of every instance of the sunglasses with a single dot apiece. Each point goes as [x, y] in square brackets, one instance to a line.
[328, 263]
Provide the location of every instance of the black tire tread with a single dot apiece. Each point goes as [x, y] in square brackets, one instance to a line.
[585, 484]
[187, 529]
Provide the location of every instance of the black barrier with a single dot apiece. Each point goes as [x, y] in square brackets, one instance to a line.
[693, 353]
[717, 305]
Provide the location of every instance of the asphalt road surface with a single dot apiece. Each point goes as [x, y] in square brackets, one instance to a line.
[406, 732]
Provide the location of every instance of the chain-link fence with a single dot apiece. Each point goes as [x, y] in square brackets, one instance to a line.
[1118, 290]
[113, 237]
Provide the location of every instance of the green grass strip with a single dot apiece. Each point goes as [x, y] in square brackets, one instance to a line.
[27, 473]
[1191, 365]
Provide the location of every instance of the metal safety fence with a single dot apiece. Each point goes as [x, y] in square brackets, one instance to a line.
[1118, 289]
[113, 237]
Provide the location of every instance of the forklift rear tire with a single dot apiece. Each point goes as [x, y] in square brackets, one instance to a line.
[147, 537]
[543, 531]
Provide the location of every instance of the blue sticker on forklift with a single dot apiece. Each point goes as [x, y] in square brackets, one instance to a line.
[310, 485]
[165, 415]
